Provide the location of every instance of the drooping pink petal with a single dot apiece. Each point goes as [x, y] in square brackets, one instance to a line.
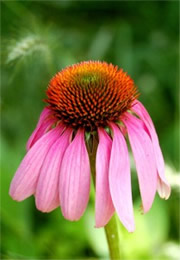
[24, 182]
[75, 178]
[163, 187]
[104, 207]
[44, 123]
[144, 158]
[120, 179]
[47, 190]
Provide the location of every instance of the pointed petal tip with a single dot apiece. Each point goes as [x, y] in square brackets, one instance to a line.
[129, 225]
[164, 191]
[71, 214]
[100, 224]
[168, 195]
[97, 226]
[165, 194]
[163, 188]
[41, 210]
[146, 207]
[14, 194]
[44, 209]
[71, 217]
[11, 192]
[145, 210]
[131, 229]
[15, 198]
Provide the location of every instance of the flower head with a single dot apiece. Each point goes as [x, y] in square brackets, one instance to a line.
[93, 97]
[90, 94]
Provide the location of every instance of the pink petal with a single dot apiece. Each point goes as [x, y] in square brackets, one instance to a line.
[120, 179]
[24, 182]
[44, 123]
[75, 179]
[104, 206]
[47, 190]
[163, 187]
[144, 158]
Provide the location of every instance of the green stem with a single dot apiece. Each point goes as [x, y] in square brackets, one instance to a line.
[113, 238]
[112, 228]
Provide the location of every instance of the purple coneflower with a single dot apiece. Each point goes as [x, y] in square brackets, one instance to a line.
[99, 99]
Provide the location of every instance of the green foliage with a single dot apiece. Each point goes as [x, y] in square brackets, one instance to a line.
[39, 39]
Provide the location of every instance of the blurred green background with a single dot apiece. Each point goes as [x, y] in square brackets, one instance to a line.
[39, 38]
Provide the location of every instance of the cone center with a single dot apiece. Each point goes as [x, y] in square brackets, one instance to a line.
[90, 94]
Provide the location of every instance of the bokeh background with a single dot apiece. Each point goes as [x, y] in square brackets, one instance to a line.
[39, 38]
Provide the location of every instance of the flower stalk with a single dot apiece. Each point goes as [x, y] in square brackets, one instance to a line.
[113, 238]
[112, 230]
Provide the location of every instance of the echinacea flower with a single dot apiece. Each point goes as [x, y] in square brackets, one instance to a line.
[91, 97]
